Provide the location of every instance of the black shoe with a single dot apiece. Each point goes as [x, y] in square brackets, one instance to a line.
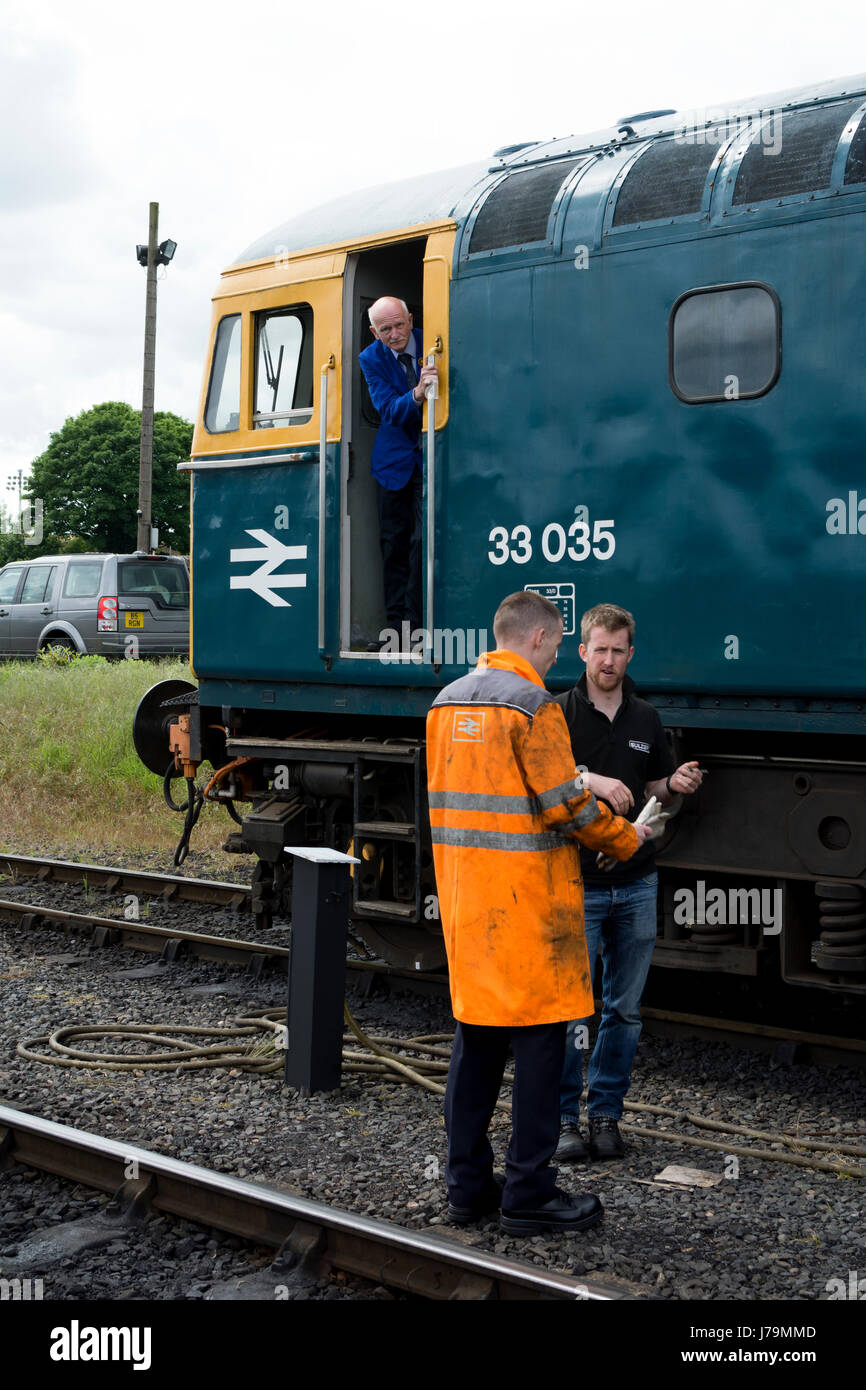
[605, 1140]
[564, 1212]
[572, 1145]
[489, 1202]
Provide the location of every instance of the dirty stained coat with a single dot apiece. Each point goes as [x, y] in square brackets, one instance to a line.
[506, 817]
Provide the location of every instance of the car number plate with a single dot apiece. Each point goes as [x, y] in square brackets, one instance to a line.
[134, 619]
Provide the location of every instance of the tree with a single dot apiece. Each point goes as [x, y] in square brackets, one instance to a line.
[18, 537]
[88, 479]
[11, 541]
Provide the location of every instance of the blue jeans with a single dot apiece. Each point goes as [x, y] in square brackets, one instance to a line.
[623, 920]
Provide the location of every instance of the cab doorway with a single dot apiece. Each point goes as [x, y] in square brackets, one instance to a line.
[396, 270]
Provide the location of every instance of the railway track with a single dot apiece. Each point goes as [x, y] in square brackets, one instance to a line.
[169, 943]
[326, 1238]
[371, 1148]
[168, 887]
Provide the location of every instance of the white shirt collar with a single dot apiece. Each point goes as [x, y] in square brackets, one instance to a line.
[411, 347]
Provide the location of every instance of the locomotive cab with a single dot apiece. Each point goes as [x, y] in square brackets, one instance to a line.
[288, 589]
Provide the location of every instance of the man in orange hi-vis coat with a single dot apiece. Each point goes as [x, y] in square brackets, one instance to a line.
[506, 812]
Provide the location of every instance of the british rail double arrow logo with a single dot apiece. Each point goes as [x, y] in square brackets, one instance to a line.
[272, 553]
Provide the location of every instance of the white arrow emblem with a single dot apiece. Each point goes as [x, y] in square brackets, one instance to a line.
[263, 581]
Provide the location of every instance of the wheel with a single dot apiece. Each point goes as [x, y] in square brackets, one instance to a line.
[408, 948]
[59, 644]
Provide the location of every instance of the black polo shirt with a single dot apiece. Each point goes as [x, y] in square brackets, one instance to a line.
[633, 749]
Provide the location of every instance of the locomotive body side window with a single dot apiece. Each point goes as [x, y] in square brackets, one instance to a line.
[284, 367]
[725, 343]
[223, 410]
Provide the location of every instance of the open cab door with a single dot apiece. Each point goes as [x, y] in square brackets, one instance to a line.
[416, 269]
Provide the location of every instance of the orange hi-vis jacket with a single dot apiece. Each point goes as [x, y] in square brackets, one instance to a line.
[505, 817]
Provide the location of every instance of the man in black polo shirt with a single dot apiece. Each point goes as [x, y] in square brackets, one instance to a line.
[618, 741]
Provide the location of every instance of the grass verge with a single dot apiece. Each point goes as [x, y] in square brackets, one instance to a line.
[69, 773]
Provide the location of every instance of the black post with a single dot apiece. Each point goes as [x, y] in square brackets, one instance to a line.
[321, 898]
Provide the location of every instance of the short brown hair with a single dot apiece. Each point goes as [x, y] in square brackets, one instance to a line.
[608, 616]
[519, 613]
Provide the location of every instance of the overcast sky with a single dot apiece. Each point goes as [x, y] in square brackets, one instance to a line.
[234, 117]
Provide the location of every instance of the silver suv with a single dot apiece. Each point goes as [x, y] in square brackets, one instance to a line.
[113, 605]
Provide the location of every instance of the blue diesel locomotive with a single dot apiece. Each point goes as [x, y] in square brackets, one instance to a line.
[650, 348]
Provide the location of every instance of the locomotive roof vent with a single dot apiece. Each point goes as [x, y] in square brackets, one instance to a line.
[801, 159]
[518, 209]
[666, 181]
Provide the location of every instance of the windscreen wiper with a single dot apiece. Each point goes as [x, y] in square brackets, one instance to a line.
[272, 377]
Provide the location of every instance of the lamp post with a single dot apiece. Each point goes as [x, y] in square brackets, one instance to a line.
[15, 483]
[150, 256]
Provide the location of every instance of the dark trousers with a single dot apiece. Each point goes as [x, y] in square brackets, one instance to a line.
[400, 539]
[474, 1078]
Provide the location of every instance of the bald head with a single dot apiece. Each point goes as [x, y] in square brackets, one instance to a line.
[391, 322]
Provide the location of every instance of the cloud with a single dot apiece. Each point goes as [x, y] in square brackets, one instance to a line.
[237, 124]
[45, 156]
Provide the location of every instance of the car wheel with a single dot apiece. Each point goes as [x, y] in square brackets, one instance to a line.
[63, 644]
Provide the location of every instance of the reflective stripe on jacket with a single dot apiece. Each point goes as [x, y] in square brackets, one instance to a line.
[505, 817]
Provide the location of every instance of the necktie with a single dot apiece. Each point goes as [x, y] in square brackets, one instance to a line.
[405, 360]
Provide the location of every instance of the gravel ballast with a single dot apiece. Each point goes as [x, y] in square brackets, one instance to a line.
[764, 1231]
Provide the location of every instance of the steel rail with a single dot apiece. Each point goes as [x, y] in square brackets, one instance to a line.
[142, 935]
[145, 937]
[167, 886]
[429, 1266]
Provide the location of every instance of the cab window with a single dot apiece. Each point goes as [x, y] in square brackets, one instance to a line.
[223, 410]
[284, 367]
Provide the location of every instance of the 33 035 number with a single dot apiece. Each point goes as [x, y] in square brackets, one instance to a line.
[577, 542]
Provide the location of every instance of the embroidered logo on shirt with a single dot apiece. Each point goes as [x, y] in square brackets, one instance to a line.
[467, 728]
[639, 747]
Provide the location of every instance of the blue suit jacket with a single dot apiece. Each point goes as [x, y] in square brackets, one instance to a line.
[397, 450]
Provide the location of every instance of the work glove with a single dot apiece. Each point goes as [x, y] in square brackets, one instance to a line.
[651, 816]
